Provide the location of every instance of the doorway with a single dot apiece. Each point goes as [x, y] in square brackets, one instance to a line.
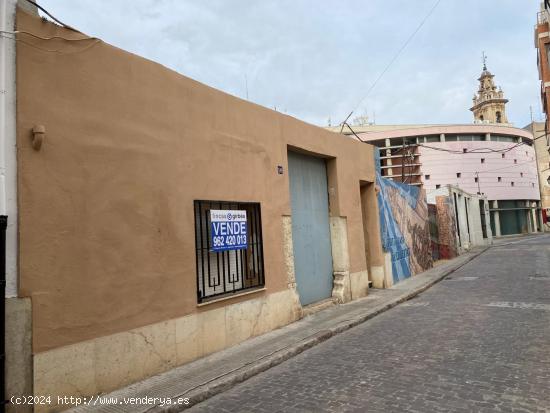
[310, 227]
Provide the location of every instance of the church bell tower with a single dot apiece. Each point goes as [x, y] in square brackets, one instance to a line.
[489, 104]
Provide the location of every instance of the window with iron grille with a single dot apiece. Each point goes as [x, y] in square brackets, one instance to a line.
[224, 273]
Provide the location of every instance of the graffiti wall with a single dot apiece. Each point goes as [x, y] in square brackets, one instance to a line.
[404, 225]
[445, 243]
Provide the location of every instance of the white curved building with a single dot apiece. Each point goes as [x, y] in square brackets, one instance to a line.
[495, 160]
[462, 155]
[489, 157]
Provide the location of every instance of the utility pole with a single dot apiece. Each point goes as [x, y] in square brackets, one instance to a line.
[403, 161]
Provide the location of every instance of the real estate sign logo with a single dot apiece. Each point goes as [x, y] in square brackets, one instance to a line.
[228, 230]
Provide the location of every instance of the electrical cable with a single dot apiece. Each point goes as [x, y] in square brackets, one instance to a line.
[51, 16]
[6, 34]
[506, 167]
[47, 38]
[352, 131]
[96, 41]
[476, 151]
[540, 136]
[394, 58]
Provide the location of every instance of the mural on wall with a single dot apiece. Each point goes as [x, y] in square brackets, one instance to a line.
[445, 243]
[434, 232]
[404, 226]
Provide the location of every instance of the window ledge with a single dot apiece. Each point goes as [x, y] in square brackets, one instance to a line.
[229, 297]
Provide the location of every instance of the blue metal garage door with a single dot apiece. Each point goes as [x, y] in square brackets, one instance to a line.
[310, 227]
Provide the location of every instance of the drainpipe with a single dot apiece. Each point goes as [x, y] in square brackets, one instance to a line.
[8, 179]
[3, 226]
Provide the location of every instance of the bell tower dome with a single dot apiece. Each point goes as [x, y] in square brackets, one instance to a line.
[489, 104]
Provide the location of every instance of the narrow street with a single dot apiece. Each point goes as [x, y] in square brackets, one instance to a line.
[477, 341]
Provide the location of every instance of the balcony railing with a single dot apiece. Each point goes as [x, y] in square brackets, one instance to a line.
[542, 17]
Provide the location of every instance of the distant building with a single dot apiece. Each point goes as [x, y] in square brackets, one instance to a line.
[470, 216]
[540, 130]
[542, 150]
[489, 157]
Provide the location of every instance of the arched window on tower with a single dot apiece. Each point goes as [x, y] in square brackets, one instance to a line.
[499, 117]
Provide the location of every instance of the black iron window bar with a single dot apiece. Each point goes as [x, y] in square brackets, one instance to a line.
[226, 273]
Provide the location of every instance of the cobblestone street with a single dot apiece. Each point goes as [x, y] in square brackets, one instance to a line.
[477, 341]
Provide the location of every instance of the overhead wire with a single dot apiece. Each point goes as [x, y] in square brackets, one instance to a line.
[13, 35]
[47, 38]
[506, 167]
[43, 49]
[540, 136]
[55, 19]
[352, 131]
[476, 151]
[394, 58]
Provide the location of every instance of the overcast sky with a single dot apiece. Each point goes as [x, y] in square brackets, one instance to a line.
[316, 59]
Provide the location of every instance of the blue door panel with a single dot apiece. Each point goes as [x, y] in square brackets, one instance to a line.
[310, 227]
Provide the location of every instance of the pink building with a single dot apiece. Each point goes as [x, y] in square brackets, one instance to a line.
[496, 160]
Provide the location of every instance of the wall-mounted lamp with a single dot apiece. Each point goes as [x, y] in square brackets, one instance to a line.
[38, 135]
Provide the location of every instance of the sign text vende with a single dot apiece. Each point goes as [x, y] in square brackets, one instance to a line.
[228, 230]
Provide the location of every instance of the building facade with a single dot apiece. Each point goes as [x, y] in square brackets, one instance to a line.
[542, 150]
[126, 171]
[470, 218]
[540, 130]
[497, 161]
[542, 44]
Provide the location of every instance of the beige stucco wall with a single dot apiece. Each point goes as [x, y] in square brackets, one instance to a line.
[106, 363]
[543, 162]
[106, 205]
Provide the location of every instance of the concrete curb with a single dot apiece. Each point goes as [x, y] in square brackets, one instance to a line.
[229, 380]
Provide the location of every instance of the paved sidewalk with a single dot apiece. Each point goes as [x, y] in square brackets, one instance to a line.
[514, 239]
[478, 341]
[220, 371]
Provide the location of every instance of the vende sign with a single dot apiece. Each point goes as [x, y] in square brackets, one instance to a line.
[228, 230]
